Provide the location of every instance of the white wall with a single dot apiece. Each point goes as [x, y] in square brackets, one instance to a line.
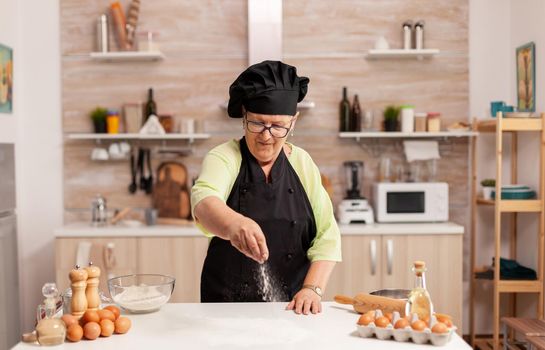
[32, 29]
[497, 27]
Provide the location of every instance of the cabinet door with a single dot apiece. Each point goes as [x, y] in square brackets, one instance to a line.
[179, 257]
[360, 270]
[114, 256]
[443, 257]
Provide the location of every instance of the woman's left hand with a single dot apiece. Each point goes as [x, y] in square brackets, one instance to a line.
[305, 301]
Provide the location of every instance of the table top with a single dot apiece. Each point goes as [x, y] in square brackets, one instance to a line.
[537, 342]
[228, 326]
[528, 326]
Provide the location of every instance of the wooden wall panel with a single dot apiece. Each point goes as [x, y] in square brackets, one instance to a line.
[205, 43]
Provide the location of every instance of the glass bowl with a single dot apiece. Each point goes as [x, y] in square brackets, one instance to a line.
[141, 293]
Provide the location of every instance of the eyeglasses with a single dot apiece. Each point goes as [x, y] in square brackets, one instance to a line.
[276, 131]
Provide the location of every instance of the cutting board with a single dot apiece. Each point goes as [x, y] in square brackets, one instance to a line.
[170, 193]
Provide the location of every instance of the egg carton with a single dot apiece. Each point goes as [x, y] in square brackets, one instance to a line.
[407, 333]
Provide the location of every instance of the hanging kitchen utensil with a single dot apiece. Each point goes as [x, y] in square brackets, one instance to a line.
[134, 169]
[367, 302]
[171, 194]
[149, 178]
[142, 179]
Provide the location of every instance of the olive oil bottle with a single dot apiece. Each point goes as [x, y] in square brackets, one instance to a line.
[419, 299]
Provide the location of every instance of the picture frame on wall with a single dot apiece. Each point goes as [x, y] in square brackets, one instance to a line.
[6, 79]
[526, 77]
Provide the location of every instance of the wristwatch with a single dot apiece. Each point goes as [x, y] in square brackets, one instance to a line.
[315, 289]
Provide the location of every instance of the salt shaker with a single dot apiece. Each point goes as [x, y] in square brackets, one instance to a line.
[407, 35]
[91, 291]
[78, 279]
[419, 35]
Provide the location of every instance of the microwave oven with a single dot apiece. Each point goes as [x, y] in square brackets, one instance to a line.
[411, 201]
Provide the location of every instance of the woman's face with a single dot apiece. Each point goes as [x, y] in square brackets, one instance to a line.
[263, 146]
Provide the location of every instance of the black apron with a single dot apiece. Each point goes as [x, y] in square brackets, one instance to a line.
[282, 209]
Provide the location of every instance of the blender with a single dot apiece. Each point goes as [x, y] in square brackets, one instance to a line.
[354, 209]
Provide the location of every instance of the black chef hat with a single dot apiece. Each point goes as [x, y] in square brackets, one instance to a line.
[269, 87]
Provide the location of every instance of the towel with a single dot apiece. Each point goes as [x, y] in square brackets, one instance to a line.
[421, 150]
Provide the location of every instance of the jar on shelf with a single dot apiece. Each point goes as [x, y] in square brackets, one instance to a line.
[434, 121]
[420, 120]
[407, 118]
[112, 121]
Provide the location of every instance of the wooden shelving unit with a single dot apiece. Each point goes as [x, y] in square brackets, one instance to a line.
[401, 53]
[499, 126]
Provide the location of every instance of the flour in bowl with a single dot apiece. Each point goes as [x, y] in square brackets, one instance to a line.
[141, 298]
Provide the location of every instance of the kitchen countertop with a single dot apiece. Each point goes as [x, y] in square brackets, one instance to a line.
[245, 326]
[190, 230]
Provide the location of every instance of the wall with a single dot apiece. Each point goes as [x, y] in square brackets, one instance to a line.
[32, 29]
[205, 45]
[497, 28]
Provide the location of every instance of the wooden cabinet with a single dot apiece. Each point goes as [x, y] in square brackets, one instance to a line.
[361, 268]
[180, 257]
[395, 256]
[114, 256]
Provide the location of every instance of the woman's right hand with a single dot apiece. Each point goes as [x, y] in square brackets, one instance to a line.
[246, 235]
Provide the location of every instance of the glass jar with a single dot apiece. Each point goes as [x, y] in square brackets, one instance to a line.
[434, 122]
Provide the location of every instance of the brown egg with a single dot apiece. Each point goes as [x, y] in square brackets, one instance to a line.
[113, 309]
[418, 325]
[90, 316]
[91, 330]
[106, 315]
[365, 320]
[382, 322]
[69, 320]
[439, 327]
[107, 327]
[389, 316]
[401, 323]
[122, 325]
[74, 332]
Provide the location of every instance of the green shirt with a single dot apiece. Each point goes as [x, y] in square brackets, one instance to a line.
[220, 169]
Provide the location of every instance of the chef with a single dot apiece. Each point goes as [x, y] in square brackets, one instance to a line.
[261, 201]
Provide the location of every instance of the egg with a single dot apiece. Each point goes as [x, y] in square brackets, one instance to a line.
[365, 320]
[69, 320]
[439, 328]
[114, 309]
[122, 325]
[91, 330]
[401, 323]
[382, 322]
[447, 322]
[389, 316]
[106, 315]
[90, 316]
[418, 325]
[74, 332]
[106, 327]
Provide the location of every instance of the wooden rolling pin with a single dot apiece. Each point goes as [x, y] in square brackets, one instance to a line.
[366, 302]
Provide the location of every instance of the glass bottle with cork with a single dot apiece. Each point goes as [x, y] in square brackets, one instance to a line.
[419, 301]
[344, 113]
[50, 330]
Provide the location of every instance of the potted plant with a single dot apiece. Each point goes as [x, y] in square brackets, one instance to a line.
[98, 116]
[488, 188]
[390, 118]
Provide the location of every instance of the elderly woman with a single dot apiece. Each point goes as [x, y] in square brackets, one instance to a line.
[261, 201]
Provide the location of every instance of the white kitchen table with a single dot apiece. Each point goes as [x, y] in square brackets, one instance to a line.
[245, 326]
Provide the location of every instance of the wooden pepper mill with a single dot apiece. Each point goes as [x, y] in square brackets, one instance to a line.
[78, 279]
[91, 292]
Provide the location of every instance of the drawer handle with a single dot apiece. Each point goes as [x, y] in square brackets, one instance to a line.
[389, 255]
[373, 251]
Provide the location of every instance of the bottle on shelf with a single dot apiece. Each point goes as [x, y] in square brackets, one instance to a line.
[150, 108]
[419, 299]
[344, 115]
[355, 117]
[50, 330]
